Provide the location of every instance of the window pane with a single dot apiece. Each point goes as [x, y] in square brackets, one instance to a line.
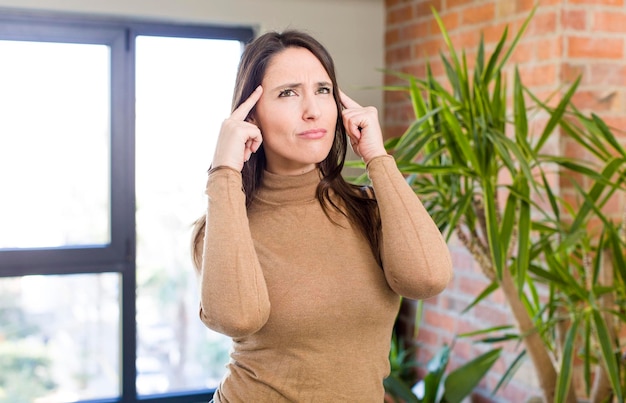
[59, 338]
[184, 88]
[54, 144]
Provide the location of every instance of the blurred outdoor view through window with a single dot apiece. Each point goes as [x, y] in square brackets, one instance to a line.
[184, 91]
[60, 334]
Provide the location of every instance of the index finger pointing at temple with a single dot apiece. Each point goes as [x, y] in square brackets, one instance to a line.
[242, 111]
[347, 101]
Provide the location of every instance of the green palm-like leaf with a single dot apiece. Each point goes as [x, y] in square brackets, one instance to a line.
[556, 115]
[565, 376]
[397, 388]
[608, 354]
[492, 227]
[463, 380]
[618, 248]
[608, 135]
[511, 370]
[484, 294]
[587, 356]
[523, 249]
[436, 369]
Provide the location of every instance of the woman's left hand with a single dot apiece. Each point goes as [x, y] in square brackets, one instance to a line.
[363, 129]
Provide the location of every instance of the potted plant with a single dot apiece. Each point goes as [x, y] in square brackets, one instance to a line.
[438, 384]
[484, 176]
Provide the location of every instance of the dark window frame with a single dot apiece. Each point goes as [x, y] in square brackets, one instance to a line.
[118, 256]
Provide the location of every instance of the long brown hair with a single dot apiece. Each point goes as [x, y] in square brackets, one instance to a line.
[358, 206]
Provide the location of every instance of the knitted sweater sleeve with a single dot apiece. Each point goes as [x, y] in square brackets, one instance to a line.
[233, 294]
[414, 254]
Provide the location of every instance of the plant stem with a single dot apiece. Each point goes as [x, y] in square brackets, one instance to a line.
[535, 346]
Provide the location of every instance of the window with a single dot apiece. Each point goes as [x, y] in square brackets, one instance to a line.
[107, 129]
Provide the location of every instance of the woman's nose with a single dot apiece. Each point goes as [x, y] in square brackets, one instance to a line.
[311, 109]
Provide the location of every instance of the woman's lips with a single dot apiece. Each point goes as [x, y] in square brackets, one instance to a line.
[313, 134]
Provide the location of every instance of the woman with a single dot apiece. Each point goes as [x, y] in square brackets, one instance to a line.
[303, 270]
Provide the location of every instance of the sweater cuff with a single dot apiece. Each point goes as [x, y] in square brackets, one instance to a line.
[221, 167]
[381, 159]
[225, 175]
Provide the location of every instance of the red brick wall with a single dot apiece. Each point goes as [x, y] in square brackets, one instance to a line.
[566, 38]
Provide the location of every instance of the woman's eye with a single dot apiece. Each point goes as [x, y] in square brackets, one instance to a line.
[287, 93]
[324, 90]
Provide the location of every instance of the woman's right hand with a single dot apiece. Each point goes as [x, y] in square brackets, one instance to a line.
[238, 138]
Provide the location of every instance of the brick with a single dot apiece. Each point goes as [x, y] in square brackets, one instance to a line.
[427, 337]
[392, 36]
[493, 32]
[451, 302]
[401, 113]
[424, 8]
[514, 393]
[541, 24]
[527, 5]
[618, 126]
[609, 22]
[571, 72]
[462, 260]
[599, 2]
[457, 3]
[463, 350]
[572, 149]
[441, 320]
[597, 48]
[549, 48]
[472, 286]
[400, 14]
[535, 76]
[465, 40]
[416, 30]
[467, 323]
[393, 131]
[498, 297]
[450, 22]
[574, 19]
[477, 14]
[489, 314]
[504, 9]
[524, 52]
[614, 206]
[425, 354]
[594, 100]
[398, 54]
[429, 47]
[608, 74]
[417, 69]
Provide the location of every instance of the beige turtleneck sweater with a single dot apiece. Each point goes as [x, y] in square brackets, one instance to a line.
[308, 308]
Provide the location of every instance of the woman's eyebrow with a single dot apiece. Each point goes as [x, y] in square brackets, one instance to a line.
[288, 85]
[298, 85]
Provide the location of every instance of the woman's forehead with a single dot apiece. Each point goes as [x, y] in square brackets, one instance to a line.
[295, 65]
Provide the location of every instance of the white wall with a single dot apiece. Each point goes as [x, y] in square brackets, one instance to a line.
[352, 30]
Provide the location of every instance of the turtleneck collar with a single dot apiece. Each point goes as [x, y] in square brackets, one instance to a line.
[277, 189]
